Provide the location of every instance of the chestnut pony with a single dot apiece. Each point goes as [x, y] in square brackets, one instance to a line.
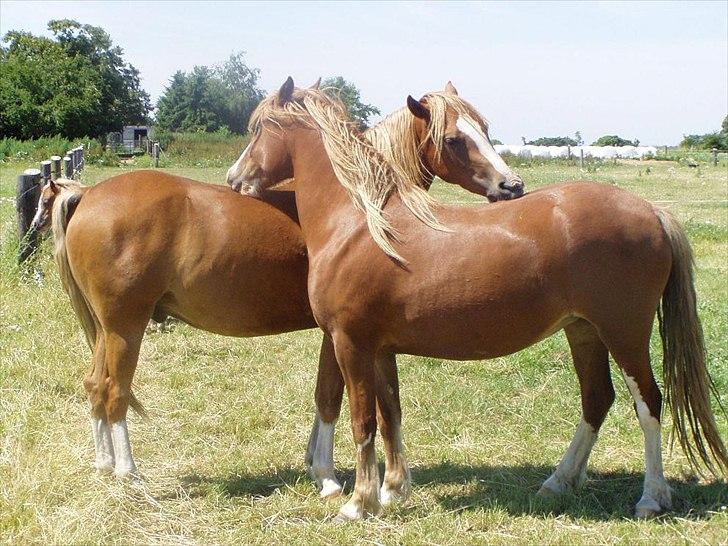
[594, 260]
[148, 244]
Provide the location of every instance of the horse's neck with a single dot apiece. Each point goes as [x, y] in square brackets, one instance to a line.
[324, 206]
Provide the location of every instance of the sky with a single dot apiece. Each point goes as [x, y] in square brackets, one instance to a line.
[648, 70]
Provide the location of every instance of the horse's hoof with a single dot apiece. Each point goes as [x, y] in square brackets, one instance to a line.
[646, 513]
[389, 496]
[647, 509]
[330, 490]
[128, 475]
[547, 491]
[104, 469]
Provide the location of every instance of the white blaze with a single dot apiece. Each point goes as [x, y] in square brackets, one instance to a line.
[484, 146]
[235, 171]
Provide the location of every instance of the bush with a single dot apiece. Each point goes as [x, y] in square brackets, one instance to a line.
[614, 140]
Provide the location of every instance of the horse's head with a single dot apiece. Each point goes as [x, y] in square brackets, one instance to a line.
[42, 219]
[265, 161]
[456, 146]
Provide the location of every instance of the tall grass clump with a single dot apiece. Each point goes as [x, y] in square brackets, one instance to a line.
[220, 148]
[40, 149]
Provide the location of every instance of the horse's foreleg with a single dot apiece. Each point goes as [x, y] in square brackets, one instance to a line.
[329, 392]
[591, 360]
[397, 482]
[95, 386]
[357, 365]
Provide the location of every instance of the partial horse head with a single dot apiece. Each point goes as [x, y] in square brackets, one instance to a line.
[44, 213]
[457, 148]
[42, 219]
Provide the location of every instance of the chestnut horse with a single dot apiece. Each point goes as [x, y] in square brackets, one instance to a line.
[591, 259]
[412, 141]
[148, 244]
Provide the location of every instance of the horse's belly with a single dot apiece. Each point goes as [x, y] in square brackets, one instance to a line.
[243, 299]
[486, 329]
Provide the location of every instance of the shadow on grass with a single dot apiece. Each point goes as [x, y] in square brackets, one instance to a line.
[461, 488]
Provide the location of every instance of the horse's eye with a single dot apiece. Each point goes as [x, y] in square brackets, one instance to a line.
[453, 141]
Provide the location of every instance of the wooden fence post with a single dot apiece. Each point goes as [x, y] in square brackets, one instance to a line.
[45, 172]
[568, 151]
[714, 152]
[72, 156]
[55, 167]
[155, 154]
[67, 167]
[581, 159]
[26, 201]
[81, 158]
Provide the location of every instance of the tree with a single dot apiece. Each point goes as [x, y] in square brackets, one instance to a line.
[123, 101]
[553, 141]
[579, 140]
[44, 91]
[76, 84]
[707, 141]
[210, 99]
[348, 93]
[614, 140]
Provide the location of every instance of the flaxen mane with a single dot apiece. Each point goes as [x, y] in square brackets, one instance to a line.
[360, 168]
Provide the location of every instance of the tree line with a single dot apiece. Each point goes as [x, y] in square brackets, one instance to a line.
[77, 83]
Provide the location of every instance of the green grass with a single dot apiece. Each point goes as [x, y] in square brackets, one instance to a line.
[222, 450]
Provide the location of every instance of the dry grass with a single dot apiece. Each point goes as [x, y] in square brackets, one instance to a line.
[222, 451]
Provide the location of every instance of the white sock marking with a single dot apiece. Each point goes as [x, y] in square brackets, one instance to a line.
[122, 449]
[323, 460]
[102, 443]
[571, 471]
[656, 494]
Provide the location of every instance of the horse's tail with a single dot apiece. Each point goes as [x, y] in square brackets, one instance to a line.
[63, 208]
[687, 382]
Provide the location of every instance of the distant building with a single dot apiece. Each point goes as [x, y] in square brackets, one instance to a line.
[135, 136]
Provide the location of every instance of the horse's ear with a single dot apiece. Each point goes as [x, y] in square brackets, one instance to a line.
[316, 84]
[286, 91]
[450, 88]
[417, 108]
[53, 186]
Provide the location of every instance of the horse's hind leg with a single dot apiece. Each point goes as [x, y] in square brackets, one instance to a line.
[329, 393]
[122, 354]
[591, 360]
[95, 386]
[631, 352]
[397, 481]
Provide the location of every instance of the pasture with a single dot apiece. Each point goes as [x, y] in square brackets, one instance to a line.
[222, 450]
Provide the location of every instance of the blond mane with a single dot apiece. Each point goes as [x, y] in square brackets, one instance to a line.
[367, 176]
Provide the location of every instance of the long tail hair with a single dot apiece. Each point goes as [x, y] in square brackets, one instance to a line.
[64, 206]
[687, 383]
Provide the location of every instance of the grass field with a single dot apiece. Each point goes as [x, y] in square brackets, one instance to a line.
[222, 449]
